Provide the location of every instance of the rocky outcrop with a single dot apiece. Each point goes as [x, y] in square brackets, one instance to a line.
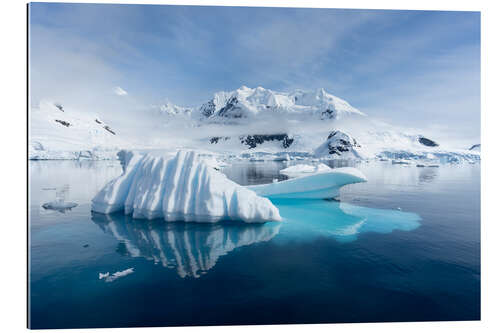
[107, 128]
[59, 106]
[208, 109]
[253, 140]
[216, 139]
[339, 144]
[427, 142]
[328, 114]
[476, 147]
[62, 122]
[231, 109]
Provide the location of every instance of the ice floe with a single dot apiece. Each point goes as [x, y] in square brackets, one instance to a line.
[321, 185]
[59, 205]
[116, 275]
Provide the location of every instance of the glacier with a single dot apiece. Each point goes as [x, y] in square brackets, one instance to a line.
[182, 188]
[321, 185]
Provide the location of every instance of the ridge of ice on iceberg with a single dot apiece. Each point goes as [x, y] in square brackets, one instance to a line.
[304, 169]
[321, 185]
[182, 188]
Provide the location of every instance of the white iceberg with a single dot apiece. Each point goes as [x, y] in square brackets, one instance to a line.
[304, 169]
[59, 205]
[182, 188]
[322, 185]
[116, 275]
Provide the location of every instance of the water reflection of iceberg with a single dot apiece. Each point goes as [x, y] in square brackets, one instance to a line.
[343, 221]
[190, 248]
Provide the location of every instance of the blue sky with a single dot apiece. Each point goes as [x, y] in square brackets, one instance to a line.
[410, 68]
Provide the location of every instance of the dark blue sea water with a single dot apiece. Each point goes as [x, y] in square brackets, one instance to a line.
[403, 247]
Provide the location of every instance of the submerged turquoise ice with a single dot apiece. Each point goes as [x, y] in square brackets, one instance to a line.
[342, 221]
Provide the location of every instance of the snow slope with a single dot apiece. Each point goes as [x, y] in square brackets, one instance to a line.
[183, 188]
[56, 132]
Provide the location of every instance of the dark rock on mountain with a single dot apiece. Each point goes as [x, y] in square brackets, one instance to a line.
[107, 128]
[328, 114]
[62, 122]
[231, 109]
[216, 139]
[253, 140]
[208, 109]
[59, 106]
[427, 142]
[337, 143]
[476, 147]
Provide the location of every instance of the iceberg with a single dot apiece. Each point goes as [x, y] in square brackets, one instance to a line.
[304, 169]
[59, 205]
[116, 275]
[182, 188]
[322, 185]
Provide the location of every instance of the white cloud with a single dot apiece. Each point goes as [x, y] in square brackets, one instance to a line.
[119, 91]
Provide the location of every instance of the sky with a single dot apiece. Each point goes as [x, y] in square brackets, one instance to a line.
[418, 69]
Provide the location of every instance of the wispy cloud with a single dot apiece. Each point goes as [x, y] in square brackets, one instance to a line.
[119, 91]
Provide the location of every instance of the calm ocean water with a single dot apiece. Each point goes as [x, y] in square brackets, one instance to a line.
[403, 247]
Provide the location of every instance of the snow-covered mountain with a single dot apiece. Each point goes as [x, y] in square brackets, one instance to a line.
[248, 103]
[56, 132]
[247, 120]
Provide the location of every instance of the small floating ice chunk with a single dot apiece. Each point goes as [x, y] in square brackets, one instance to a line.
[59, 205]
[304, 169]
[183, 188]
[322, 185]
[110, 278]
